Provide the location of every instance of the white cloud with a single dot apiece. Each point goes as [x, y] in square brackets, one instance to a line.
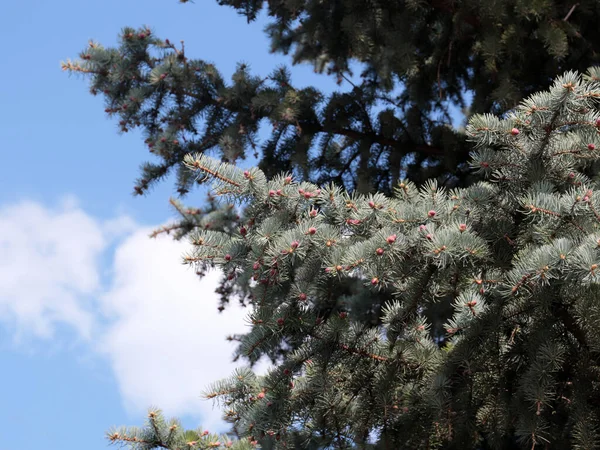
[48, 268]
[167, 339]
[154, 322]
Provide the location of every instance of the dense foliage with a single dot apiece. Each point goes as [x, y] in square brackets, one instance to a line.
[423, 61]
[515, 258]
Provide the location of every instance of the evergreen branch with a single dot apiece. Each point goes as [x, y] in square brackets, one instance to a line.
[406, 147]
[566, 18]
[570, 324]
[116, 437]
[197, 164]
[535, 209]
[178, 208]
[190, 259]
[355, 351]
[168, 228]
[364, 353]
[591, 206]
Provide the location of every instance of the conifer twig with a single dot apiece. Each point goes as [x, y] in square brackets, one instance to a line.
[570, 12]
[196, 164]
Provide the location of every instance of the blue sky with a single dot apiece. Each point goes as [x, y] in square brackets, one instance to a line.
[98, 322]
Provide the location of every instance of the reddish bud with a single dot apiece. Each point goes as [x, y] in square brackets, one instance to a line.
[228, 257]
[280, 321]
[343, 314]
[261, 395]
[286, 371]
[391, 239]
[598, 122]
[279, 192]
[428, 236]
[431, 213]
[571, 175]
[312, 230]
[271, 193]
[288, 180]
[302, 296]
[514, 131]
[372, 204]
[379, 251]
[462, 227]
[205, 433]
[485, 165]
[256, 266]
[591, 147]
[300, 191]
[327, 269]
[307, 195]
[163, 76]
[246, 174]
[243, 231]
[313, 213]
[294, 244]
[374, 281]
